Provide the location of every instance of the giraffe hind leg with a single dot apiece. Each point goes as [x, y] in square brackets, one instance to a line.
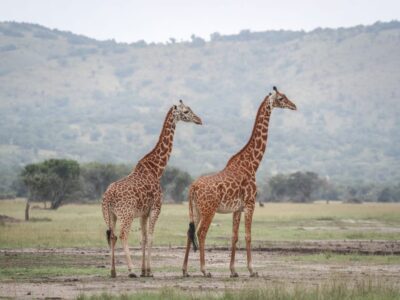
[125, 228]
[191, 236]
[202, 233]
[185, 260]
[112, 240]
[191, 240]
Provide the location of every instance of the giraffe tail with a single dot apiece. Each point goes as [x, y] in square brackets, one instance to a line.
[192, 235]
[192, 227]
[107, 218]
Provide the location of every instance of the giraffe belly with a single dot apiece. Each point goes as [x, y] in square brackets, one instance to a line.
[226, 207]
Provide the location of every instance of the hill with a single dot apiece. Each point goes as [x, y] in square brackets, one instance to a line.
[66, 95]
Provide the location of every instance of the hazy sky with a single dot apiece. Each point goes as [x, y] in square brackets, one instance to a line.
[157, 20]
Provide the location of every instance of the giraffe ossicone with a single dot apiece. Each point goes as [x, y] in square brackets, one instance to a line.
[232, 190]
[139, 194]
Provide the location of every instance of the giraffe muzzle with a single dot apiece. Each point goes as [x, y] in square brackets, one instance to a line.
[197, 120]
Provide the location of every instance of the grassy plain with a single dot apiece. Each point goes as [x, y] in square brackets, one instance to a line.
[82, 225]
[77, 266]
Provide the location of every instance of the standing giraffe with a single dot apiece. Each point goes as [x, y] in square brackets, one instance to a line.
[139, 194]
[233, 189]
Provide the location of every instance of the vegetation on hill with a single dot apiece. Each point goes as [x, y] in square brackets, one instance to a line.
[68, 96]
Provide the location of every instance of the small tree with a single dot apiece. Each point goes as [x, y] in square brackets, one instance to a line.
[54, 180]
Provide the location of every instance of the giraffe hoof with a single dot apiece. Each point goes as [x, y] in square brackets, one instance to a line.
[185, 274]
[254, 274]
[207, 275]
[234, 275]
[132, 275]
[113, 274]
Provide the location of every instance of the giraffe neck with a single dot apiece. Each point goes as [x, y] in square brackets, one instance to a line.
[156, 160]
[250, 156]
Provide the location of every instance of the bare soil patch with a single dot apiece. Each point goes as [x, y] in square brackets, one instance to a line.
[272, 263]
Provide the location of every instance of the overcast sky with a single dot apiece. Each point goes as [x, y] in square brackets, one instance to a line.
[157, 20]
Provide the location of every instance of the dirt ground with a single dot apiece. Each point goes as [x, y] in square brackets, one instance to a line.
[275, 264]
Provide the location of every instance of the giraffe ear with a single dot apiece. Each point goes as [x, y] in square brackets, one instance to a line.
[269, 94]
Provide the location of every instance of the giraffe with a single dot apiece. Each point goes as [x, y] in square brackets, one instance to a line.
[139, 194]
[232, 190]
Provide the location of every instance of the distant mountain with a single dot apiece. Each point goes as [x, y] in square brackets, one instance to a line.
[66, 95]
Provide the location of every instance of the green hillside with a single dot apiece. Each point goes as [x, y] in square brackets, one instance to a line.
[65, 95]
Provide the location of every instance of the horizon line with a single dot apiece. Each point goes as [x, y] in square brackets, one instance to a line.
[207, 39]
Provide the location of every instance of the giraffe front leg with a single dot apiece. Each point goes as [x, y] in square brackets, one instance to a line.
[235, 230]
[152, 223]
[248, 221]
[143, 225]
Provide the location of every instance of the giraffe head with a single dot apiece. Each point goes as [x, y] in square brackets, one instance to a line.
[278, 99]
[184, 113]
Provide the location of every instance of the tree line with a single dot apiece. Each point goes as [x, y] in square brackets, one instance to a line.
[59, 181]
[305, 187]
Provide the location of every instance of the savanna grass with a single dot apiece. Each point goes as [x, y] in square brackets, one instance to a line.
[82, 225]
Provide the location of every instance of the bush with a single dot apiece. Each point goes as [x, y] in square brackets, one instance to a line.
[96, 177]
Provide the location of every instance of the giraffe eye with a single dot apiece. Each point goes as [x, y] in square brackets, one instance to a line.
[186, 112]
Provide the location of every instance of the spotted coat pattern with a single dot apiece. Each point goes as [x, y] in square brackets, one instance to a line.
[234, 189]
[139, 194]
